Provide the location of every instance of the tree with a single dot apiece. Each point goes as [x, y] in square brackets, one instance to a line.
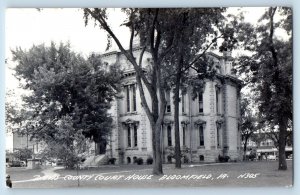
[22, 154]
[269, 70]
[68, 144]
[65, 88]
[194, 32]
[159, 32]
[144, 22]
[165, 33]
[248, 123]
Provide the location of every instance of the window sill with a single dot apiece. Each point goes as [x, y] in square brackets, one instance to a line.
[201, 147]
[132, 148]
[130, 113]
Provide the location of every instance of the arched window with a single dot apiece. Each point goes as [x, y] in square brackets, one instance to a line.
[128, 160]
[201, 157]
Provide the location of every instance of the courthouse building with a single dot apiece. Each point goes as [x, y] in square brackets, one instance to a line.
[209, 124]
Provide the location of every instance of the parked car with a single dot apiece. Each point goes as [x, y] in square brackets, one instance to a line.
[16, 163]
[272, 157]
[23, 163]
[59, 162]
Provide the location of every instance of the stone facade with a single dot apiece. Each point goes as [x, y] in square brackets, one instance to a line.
[209, 123]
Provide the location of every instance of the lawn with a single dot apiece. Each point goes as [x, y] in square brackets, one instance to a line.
[244, 174]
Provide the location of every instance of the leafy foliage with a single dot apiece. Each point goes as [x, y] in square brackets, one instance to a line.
[269, 76]
[22, 154]
[67, 145]
[162, 32]
[68, 93]
[268, 70]
[249, 123]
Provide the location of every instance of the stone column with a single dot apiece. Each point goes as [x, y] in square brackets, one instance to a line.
[212, 113]
[225, 125]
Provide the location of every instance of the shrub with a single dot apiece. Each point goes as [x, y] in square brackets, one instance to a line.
[185, 159]
[223, 158]
[139, 161]
[149, 160]
[134, 159]
[252, 156]
[112, 161]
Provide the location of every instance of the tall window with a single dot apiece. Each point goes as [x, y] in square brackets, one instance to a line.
[218, 135]
[183, 135]
[217, 100]
[201, 135]
[133, 97]
[128, 136]
[135, 135]
[169, 132]
[182, 103]
[128, 98]
[168, 108]
[200, 99]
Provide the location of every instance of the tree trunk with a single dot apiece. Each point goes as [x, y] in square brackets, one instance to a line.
[156, 115]
[176, 121]
[157, 167]
[245, 147]
[281, 145]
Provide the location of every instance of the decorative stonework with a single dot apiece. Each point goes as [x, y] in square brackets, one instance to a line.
[131, 122]
[168, 122]
[144, 131]
[185, 122]
[212, 115]
[190, 120]
[225, 126]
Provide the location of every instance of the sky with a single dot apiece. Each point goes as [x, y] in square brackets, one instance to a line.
[25, 27]
[28, 26]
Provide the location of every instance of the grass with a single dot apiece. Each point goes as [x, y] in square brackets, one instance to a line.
[139, 176]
